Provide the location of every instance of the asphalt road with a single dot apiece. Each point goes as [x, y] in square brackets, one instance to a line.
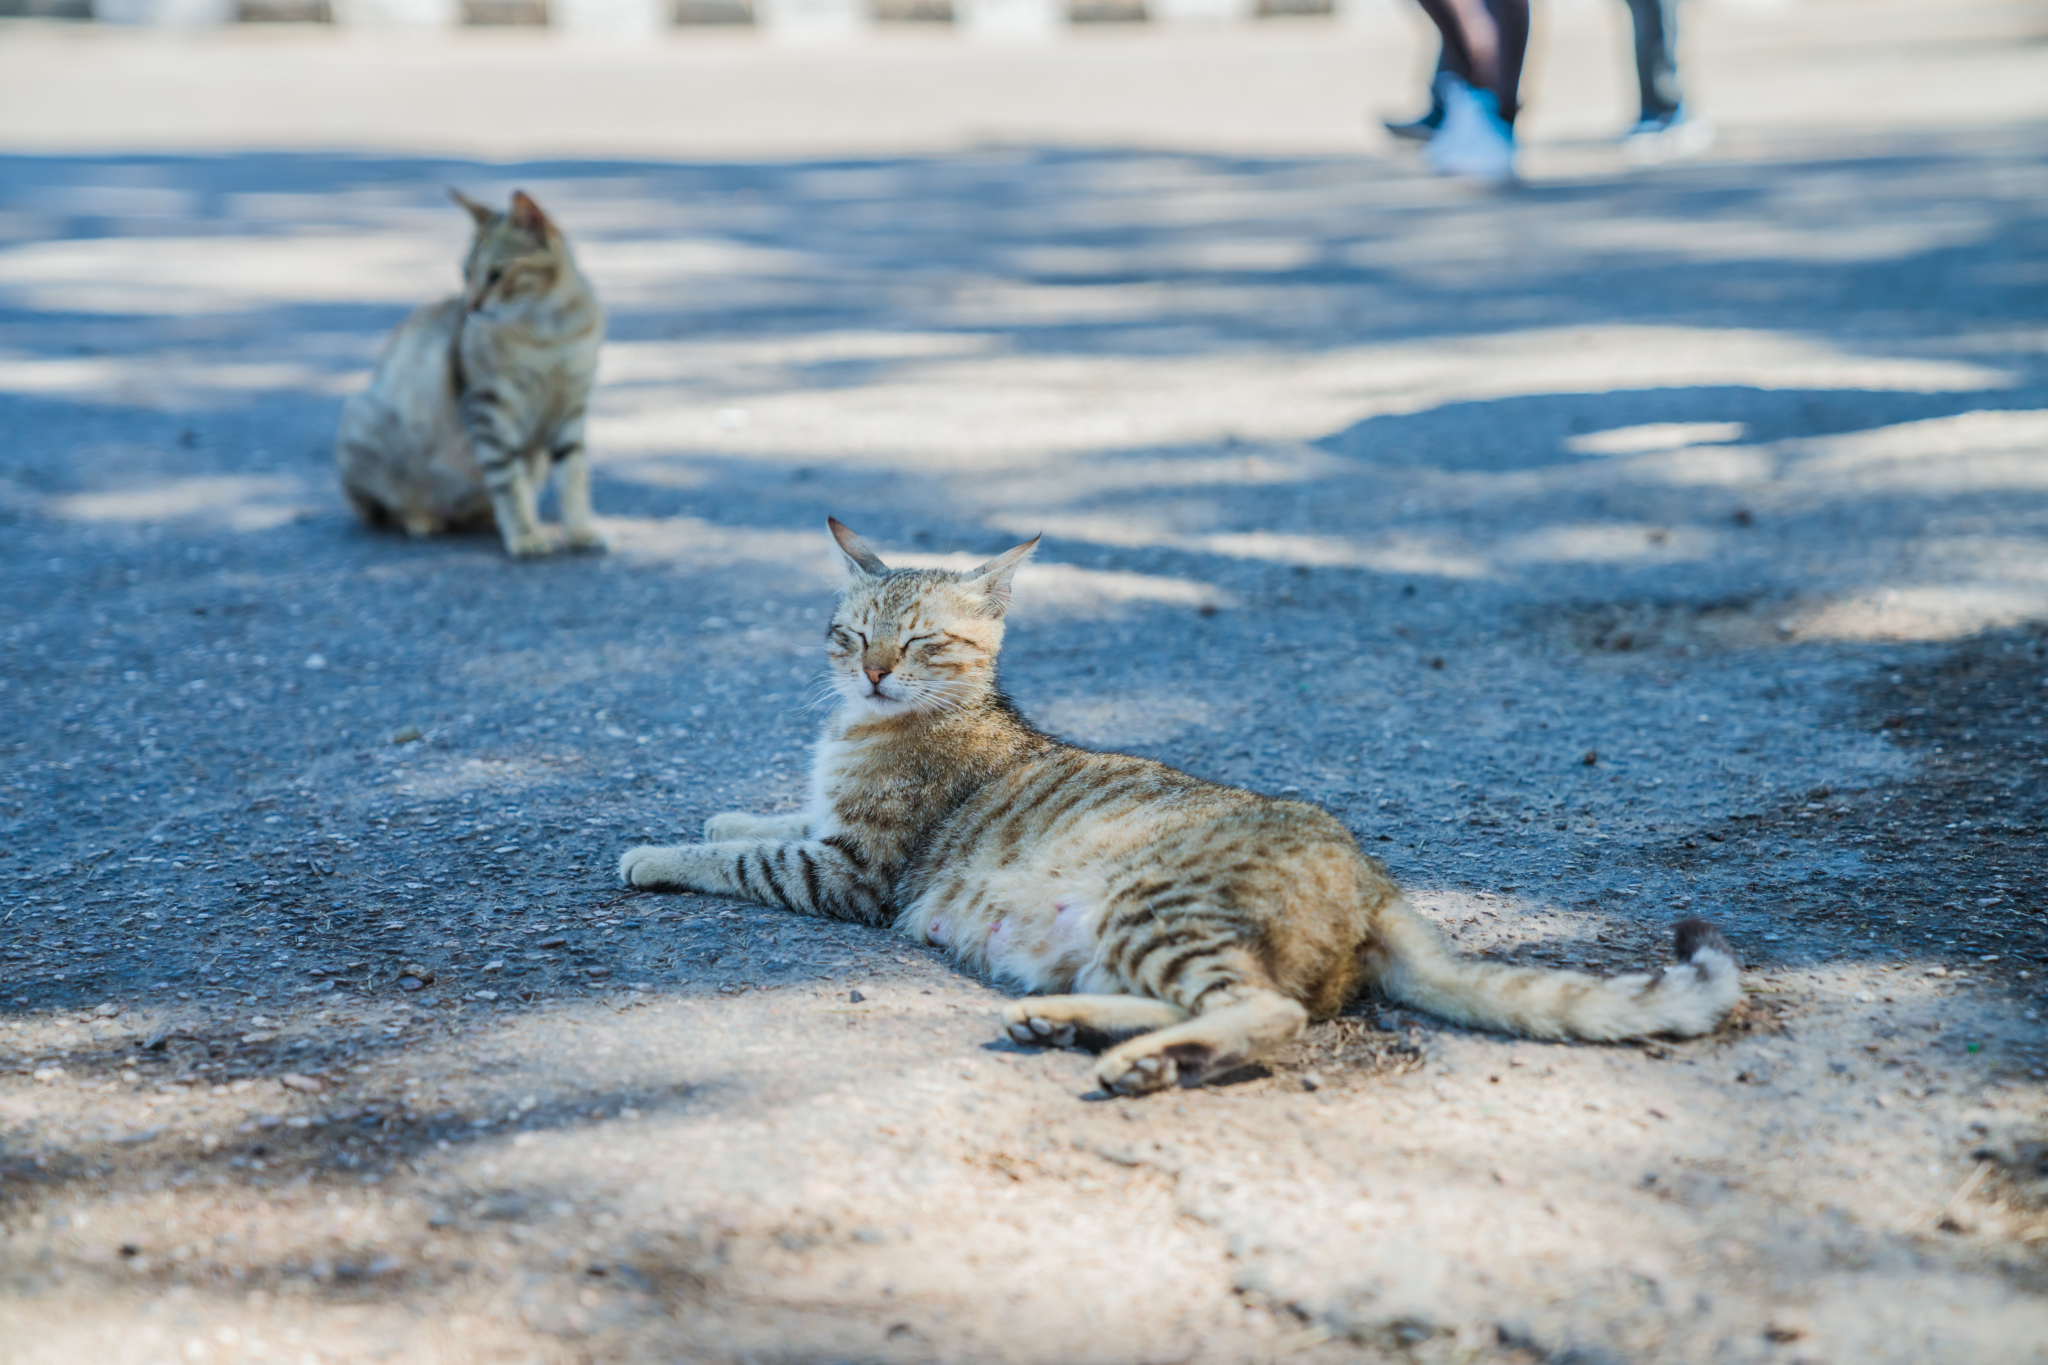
[1635, 545]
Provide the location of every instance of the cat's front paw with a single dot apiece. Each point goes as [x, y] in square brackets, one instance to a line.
[528, 545]
[586, 540]
[651, 865]
[1129, 1072]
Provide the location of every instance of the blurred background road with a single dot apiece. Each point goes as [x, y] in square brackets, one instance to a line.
[1645, 541]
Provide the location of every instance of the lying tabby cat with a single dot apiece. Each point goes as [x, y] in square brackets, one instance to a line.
[476, 396]
[1203, 925]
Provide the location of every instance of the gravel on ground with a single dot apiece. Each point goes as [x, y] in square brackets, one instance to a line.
[1641, 544]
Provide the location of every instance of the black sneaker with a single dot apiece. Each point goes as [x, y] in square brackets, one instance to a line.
[1424, 128]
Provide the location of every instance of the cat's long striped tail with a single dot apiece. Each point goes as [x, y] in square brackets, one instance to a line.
[1419, 968]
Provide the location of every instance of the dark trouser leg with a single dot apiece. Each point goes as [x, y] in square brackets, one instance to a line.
[1496, 65]
[1456, 53]
[1656, 25]
[1512, 18]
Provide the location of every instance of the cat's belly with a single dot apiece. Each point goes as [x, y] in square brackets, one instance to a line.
[1030, 918]
[1026, 927]
[1022, 879]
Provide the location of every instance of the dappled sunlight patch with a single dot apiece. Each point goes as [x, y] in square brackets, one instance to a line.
[1701, 466]
[1108, 723]
[242, 502]
[1978, 451]
[627, 269]
[1073, 591]
[1390, 552]
[1085, 476]
[168, 382]
[1034, 412]
[1924, 612]
[1241, 255]
[1641, 439]
[1611, 543]
[757, 360]
[171, 276]
[1817, 240]
[702, 544]
[662, 471]
[439, 776]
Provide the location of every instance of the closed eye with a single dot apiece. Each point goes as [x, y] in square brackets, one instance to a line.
[915, 639]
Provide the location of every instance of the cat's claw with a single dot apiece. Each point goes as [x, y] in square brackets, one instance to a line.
[1138, 1076]
[1036, 1032]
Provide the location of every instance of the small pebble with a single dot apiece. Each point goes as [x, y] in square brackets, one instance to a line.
[305, 1085]
[855, 996]
[1311, 1081]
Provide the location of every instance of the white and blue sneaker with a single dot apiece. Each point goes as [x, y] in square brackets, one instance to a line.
[1475, 142]
[1669, 137]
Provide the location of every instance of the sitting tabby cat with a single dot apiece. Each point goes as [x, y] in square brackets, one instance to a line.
[1201, 925]
[476, 396]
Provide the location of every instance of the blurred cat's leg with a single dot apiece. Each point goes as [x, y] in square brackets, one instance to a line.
[508, 474]
[1235, 1027]
[515, 506]
[737, 824]
[811, 877]
[574, 488]
[1093, 1022]
[367, 508]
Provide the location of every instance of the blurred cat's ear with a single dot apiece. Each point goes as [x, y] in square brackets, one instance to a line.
[994, 577]
[481, 212]
[527, 217]
[864, 559]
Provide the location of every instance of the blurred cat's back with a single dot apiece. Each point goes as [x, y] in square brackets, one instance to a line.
[401, 450]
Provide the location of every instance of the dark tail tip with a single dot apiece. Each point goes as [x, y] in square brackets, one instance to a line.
[1695, 934]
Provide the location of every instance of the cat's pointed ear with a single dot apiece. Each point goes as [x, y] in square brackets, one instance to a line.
[993, 578]
[864, 559]
[527, 217]
[481, 212]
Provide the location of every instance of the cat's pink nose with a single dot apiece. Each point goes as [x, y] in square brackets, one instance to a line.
[875, 675]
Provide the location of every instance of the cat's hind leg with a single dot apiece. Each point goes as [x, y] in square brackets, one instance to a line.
[738, 824]
[1235, 1027]
[1093, 1022]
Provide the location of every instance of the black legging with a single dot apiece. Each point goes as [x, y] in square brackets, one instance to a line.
[1479, 59]
[1656, 32]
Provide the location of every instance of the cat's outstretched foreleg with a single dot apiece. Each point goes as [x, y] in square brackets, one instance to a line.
[738, 824]
[1234, 1029]
[509, 476]
[811, 877]
[1093, 1022]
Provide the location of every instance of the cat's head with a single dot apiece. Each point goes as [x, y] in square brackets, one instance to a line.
[517, 255]
[910, 640]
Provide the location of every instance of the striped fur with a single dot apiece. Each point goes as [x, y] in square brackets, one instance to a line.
[1186, 927]
[477, 397]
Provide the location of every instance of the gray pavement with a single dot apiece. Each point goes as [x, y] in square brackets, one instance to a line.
[1637, 544]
